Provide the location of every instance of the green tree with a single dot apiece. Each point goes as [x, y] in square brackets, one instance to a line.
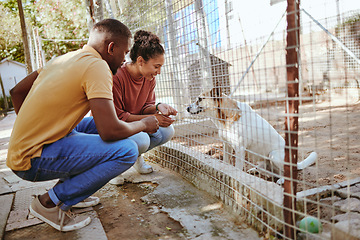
[62, 25]
[10, 32]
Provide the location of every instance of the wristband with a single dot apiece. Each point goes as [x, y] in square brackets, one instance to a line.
[156, 107]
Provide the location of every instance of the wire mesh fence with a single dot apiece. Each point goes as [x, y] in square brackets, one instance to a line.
[226, 73]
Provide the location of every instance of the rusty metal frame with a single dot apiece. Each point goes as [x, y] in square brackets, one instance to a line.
[291, 121]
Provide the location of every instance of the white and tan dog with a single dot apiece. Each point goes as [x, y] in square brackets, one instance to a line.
[246, 131]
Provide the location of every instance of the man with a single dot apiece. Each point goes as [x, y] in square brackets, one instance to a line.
[50, 138]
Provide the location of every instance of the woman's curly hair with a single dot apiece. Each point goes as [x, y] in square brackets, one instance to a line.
[147, 45]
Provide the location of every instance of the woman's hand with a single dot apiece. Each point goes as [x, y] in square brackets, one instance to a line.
[164, 121]
[166, 109]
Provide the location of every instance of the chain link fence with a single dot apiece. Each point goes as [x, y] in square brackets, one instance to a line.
[239, 48]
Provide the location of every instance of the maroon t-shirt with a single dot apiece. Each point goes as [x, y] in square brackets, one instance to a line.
[132, 96]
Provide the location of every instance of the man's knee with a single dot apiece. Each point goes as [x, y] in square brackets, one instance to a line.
[142, 140]
[126, 151]
[87, 125]
[133, 151]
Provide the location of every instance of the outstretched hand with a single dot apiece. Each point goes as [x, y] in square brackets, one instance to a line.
[164, 121]
[151, 123]
[166, 109]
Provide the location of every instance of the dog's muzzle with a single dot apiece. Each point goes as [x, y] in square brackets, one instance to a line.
[194, 109]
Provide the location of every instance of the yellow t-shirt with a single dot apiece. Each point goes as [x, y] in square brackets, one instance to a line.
[57, 102]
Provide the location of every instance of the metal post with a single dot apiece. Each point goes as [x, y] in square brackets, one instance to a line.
[94, 12]
[6, 104]
[177, 93]
[25, 38]
[292, 110]
[204, 53]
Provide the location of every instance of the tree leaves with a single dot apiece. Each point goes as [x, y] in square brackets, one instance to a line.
[61, 23]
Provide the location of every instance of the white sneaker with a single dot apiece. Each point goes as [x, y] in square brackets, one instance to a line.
[119, 180]
[88, 202]
[142, 167]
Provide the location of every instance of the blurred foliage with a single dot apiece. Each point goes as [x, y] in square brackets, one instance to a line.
[349, 31]
[56, 20]
[352, 24]
[2, 104]
[61, 20]
[62, 25]
[143, 14]
[10, 32]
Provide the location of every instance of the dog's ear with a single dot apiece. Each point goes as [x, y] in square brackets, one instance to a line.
[216, 92]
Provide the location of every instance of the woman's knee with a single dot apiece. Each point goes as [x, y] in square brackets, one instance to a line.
[142, 141]
[167, 133]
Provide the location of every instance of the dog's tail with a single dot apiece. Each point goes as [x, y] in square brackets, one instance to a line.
[311, 159]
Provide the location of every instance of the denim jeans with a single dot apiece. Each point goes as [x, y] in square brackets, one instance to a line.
[147, 141]
[82, 161]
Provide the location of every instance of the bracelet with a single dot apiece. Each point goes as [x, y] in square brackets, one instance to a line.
[157, 105]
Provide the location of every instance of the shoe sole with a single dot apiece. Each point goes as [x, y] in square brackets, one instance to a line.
[146, 172]
[116, 182]
[57, 227]
[87, 204]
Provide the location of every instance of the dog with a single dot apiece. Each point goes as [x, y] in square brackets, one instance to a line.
[246, 131]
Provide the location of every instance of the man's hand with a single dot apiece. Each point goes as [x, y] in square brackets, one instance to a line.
[164, 121]
[166, 109]
[151, 123]
[110, 128]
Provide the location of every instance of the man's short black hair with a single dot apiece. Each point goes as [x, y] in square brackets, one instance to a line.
[113, 27]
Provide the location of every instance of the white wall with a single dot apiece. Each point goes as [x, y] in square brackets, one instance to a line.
[11, 74]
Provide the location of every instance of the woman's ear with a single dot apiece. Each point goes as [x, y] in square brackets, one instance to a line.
[140, 60]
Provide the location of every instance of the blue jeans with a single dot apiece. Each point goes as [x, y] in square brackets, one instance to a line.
[147, 141]
[82, 161]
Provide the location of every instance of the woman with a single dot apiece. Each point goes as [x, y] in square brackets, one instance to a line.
[134, 95]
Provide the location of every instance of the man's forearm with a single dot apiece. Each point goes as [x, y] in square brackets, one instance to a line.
[20, 91]
[134, 117]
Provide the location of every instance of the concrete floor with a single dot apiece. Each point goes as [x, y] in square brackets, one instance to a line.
[201, 215]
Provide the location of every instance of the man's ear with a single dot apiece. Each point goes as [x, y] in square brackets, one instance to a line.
[111, 48]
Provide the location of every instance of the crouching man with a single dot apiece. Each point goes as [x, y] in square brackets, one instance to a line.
[51, 139]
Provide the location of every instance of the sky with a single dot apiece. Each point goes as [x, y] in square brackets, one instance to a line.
[259, 18]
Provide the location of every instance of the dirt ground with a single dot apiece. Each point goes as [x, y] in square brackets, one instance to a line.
[329, 127]
[125, 216]
[335, 135]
